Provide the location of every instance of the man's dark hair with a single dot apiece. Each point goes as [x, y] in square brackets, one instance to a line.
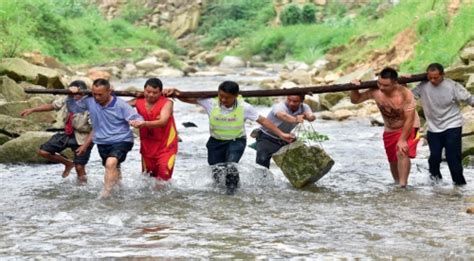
[101, 82]
[79, 84]
[229, 87]
[389, 73]
[154, 83]
[435, 67]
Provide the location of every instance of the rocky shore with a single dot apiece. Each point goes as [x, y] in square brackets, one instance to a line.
[20, 137]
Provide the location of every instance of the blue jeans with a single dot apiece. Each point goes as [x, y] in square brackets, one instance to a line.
[221, 151]
[451, 141]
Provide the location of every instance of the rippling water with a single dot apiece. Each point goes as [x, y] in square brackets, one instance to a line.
[354, 211]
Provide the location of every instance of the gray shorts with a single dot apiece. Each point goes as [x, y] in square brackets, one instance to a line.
[61, 141]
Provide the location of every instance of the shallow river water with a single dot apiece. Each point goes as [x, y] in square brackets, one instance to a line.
[355, 211]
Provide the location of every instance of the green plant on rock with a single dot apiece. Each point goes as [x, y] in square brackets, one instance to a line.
[291, 15]
[313, 136]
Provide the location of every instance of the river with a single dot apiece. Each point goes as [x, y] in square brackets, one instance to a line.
[355, 211]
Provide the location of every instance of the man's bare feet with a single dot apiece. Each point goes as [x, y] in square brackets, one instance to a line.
[67, 169]
[104, 194]
[82, 180]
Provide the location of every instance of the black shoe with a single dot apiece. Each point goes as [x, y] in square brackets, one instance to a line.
[436, 177]
[231, 180]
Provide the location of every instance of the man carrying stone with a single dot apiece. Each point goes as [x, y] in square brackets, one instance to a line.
[440, 98]
[286, 116]
[77, 136]
[110, 119]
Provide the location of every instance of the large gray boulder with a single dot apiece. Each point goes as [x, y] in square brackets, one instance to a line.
[14, 127]
[10, 90]
[460, 73]
[468, 146]
[24, 148]
[20, 70]
[232, 62]
[303, 164]
[14, 108]
[4, 138]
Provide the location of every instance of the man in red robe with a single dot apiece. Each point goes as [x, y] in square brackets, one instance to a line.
[158, 135]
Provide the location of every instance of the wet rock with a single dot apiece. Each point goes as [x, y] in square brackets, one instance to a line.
[300, 77]
[330, 99]
[313, 102]
[343, 114]
[165, 72]
[149, 64]
[10, 90]
[302, 164]
[97, 73]
[4, 138]
[470, 210]
[467, 55]
[14, 108]
[346, 104]
[20, 70]
[232, 62]
[162, 54]
[362, 75]
[460, 73]
[14, 127]
[467, 146]
[327, 115]
[24, 148]
[470, 83]
[468, 161]
[296, 65]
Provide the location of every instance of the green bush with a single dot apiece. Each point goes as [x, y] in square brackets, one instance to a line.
[308, 14]
[291, 15]
[134, 10]
[223, 20]
[74, 32]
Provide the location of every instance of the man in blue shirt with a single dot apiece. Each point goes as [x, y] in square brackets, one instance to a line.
[110, 118]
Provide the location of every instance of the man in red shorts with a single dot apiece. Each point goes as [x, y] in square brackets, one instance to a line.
[158, 135]
[397, 105]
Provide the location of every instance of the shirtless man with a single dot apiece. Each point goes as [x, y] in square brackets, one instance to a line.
[397, 105]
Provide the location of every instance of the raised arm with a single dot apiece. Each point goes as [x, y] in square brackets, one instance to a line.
[357, 97]
[167, 92]
[43, 107]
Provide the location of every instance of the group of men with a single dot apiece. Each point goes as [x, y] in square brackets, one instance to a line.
[111, 118]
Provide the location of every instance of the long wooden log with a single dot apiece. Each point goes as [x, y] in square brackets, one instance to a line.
[252, 93]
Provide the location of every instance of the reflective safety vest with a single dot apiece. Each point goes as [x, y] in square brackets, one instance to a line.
[227, 126]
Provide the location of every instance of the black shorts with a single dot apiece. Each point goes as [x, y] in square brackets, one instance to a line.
[61, 141]
[118, 150]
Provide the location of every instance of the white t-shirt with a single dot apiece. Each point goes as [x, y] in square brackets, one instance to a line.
[250, 113]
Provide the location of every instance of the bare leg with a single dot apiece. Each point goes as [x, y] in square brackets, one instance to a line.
[404, 165]
[68, 164]
[111, 176]
[81, 173]
[394, 170]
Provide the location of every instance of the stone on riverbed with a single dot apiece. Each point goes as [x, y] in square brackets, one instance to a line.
[24, 148]
[303, 164]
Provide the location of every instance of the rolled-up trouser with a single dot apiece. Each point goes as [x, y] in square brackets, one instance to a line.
[266, 147]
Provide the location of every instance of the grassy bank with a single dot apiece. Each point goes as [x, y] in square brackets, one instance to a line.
[74, 32]
[438, 37]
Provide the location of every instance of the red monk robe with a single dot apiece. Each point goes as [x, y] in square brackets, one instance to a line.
[158, 146]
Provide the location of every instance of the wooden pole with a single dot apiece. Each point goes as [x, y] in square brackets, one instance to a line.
[251, 93]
